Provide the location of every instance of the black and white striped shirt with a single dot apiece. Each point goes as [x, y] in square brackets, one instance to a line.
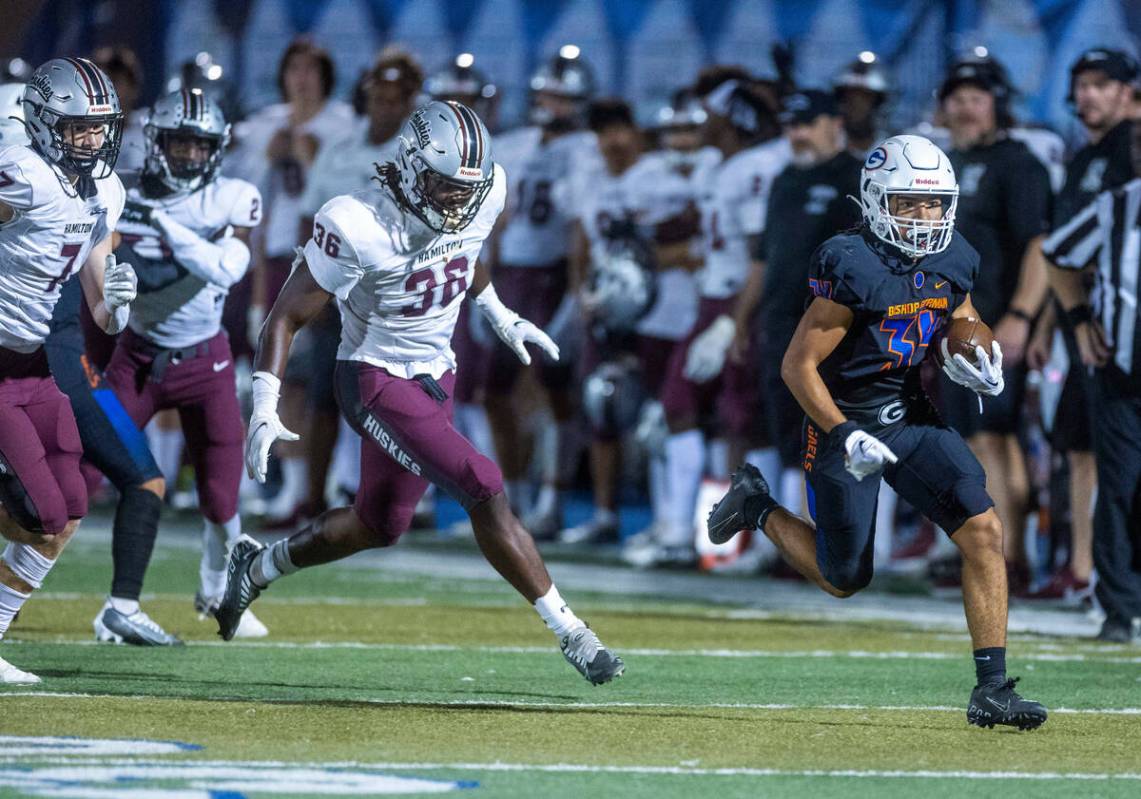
[1107, 233]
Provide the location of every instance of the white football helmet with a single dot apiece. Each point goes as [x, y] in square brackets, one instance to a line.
[444, 165]
[910, 165]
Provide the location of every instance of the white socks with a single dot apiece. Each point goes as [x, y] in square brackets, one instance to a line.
[271, 563]
[685, 463]
[554, 611]
[11, 601]
[659, 489]
[216, 542]
[125, 606]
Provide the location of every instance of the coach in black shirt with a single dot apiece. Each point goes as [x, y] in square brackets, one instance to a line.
[810, 202]
[1101, 95]
[1003, 210]
[1102, 239]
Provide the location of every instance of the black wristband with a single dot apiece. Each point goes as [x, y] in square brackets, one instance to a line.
[839, 434]
[1018, 313]
[1078, 314]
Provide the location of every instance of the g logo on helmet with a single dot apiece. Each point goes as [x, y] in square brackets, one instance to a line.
[892, 412]
[876, 158]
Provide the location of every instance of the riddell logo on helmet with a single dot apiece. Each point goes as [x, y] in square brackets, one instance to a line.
[100, 109]
[464, 172]
[926, 182]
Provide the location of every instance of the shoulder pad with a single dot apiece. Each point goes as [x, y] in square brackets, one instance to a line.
[845, 270]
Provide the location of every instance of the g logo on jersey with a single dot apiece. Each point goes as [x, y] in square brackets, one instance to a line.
[876, 158]
[892, 412]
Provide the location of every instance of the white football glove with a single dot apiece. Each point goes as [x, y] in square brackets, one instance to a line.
[706, 356]
[513, 330]
[865, 454]
[265, 426]
[983, 378]
[120, 284]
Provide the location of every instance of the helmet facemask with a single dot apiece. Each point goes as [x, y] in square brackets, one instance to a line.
[180, 172]
[445, 204]
[81, 161]
[913, 236]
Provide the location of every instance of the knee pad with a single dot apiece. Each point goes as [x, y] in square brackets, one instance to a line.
[27, 564]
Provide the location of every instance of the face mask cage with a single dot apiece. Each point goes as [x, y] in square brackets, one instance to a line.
[95, 163]
[914, 237]
[182, 174]
[447, 205]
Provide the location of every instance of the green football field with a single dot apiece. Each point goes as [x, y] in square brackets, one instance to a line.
[380, 681]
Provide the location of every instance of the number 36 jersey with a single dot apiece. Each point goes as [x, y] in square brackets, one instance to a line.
[399, 284]
[46, 242]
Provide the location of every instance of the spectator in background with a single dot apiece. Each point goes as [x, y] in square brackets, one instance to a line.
[862, 91]
[123, 68]
[276, 148]
[1101, 95]
[808, 205]
[346, 165]
[1003, 211]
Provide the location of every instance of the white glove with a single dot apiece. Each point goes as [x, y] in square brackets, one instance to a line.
[706, 356]
[265, 426]
[514, 331]
[865, 454]
[120, 284]
[985, 378]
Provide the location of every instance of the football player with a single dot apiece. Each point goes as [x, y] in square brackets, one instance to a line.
[59, 203]
[879, 294]
[699, 378]
[400, 258]
[532, 270]
[188, 229]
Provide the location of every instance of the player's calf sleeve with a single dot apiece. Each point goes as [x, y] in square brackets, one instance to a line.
[11, 601]
[133, 540]
[271, 563]
[556, 614]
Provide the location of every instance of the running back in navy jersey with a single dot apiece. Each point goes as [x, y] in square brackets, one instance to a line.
[899, 305]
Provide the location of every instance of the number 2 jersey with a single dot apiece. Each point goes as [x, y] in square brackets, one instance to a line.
[399, 284]
[47, 241]
[898, 305]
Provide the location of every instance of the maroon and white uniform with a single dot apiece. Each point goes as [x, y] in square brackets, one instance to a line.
[733, 205]
[43, 245]
[399, 287]
[175, 354]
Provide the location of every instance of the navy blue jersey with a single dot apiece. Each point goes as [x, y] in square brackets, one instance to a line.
[898, 304]
[65, 315]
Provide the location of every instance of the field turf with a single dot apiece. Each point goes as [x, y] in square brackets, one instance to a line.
[377, 681]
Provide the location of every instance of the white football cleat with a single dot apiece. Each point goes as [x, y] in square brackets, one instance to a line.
[250, 626]
[10, 675]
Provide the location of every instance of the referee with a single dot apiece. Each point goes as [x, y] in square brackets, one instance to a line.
[1105, 238]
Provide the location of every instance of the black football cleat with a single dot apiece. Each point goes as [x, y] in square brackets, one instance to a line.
[240, 589]
[999, 703]
[744, 507]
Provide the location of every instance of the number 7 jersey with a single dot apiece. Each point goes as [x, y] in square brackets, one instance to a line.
[46, 242]
[399, 284]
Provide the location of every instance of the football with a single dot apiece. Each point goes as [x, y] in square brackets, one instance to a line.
[963, 334]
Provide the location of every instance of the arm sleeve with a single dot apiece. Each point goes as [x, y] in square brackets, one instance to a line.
[247, 208]
[1079, 241]
[15, 188]
[330, 254]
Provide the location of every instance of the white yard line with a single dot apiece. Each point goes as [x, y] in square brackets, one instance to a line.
[1125, 711]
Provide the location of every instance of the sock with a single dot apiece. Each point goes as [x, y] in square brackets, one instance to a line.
[216, 541]
[166, 446]
[659, 488]
[990, 665]
[125, 606]
[133, 540]
[271, 563]
[11, 601]
[471, 421]
[885, 524]
[556, 614]
[767, 460]
[685, 461]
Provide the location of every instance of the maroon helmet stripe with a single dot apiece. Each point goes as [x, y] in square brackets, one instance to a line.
[473, 122]
[97, 75]
[466, 147]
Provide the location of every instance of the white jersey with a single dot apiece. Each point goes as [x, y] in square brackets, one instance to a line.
[733, 208]
[601, 201]
[345, 166]
[282, 185]
[46, 242]
[538, 228]
[399, 285]
[174, 307]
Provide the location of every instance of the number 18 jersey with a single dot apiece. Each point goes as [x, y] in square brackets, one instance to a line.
[46, 242]
[398, 283]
